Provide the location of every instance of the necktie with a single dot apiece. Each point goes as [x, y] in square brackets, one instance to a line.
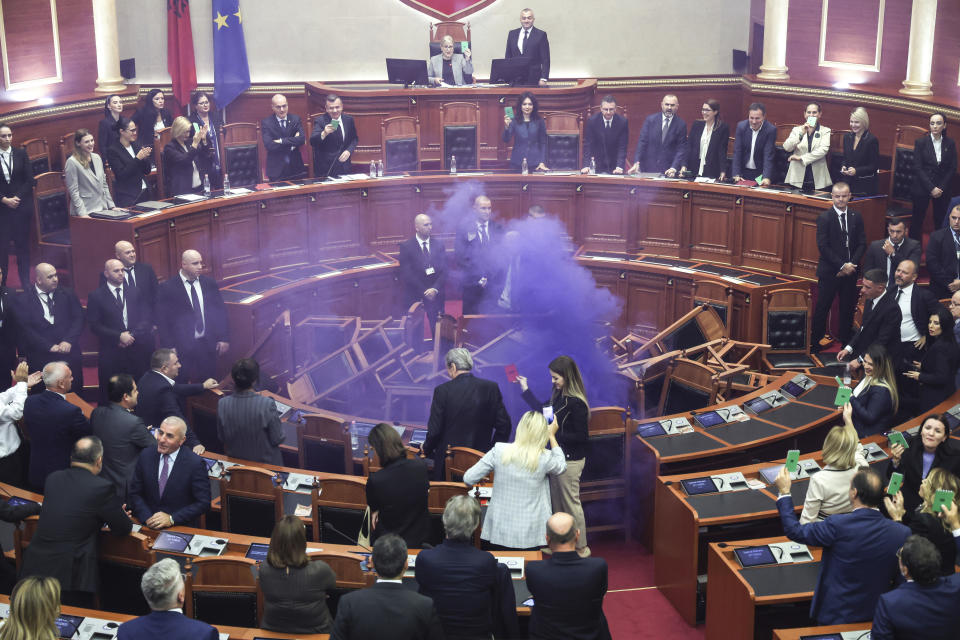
[899, 292]
[868, 309]
[526, 36]
[197, 311]
[131, 282]
[666, 125]
[483, 233]
[283, 123]
[119, 299]
[607, 123]
[164, 473]
[48, 300]
[843, 231]
[426, 251]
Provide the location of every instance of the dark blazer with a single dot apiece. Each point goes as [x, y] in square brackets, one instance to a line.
[146, 118]
[178, 168]
[466, 412]
[468, 591]
[872, 410]
[608, 153]
[833, 253]
[477, 259]
[942, 262]
[248, 425]
[922, 304]
[656, 156]
[283, 158]
[175, 318]
[763, 150]
[107, 135]
[13, 514]
[859, 560]
[53, 426]
[296, 601]
[166, 624]
[399, 493]
[919, 612]
[386, 610]
[128, 171]
[413, 266]
[36, 335]
[927, 172]
[327, 150]
[573, 417]
[537, 49]
[209, 159]
[880, 324]
[930, 527]
[864, 159]
[186, 496]
[911, 466]
[568, 597]
[529, 141]
[21, 182]
[938, 370]
[124, 436]
[158, 400]
[76, 503]
[876, 257]
[716, 151]
[106, 322]
[145, 279]
[8, 331]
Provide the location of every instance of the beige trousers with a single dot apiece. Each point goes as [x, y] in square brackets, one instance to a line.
[565, 496]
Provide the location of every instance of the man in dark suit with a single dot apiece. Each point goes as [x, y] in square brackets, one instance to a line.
[170, 485]
[52, 424]
[136, 274]
[880, 323]
[475, 248]
[423, 269]
[925, 606]
[605, 139]
[333, 139]
[942, 263]
[192, 318]
[283, 136]
[76, 503]
[529, 42]
[567, 590]
[842, 242]
[8, 329]
[163, 589]
[859, 550]
[466, 412]
[886, 254]
[122, 320]
[249, 424]
[16, 205]
[159, 393]
[387, 609]
[753, 146]
[916, 305]
[49, 320]
[123, 434]
[472, 592]
[663, 141]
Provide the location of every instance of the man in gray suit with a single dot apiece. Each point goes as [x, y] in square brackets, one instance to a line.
[248, 424]
[124, 435]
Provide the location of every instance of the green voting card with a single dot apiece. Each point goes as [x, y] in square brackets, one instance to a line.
[335, 124]
[896, 437]
[508, 111]
[843, 394]
[896, 479]
[793, 459]
[464, 45]
[942, 498]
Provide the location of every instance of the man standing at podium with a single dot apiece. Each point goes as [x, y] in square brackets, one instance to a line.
[605, 139]
[283, 136]
[333, 139]
[529, 42]
[753, 146]
[663, 141]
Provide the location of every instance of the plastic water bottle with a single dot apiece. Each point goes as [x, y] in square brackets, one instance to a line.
[206, 185]
[373, 169]
[453, 165]
[379, 168]
[524, 168]
[846, 375]
[593, 166]
[226, 183]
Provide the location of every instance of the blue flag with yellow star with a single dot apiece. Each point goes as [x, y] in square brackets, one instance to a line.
[231, 74]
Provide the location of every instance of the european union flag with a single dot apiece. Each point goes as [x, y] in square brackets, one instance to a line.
[231, 74]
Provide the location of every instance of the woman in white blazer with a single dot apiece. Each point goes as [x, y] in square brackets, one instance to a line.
[459, 64]
[86, 179]
[809, 144]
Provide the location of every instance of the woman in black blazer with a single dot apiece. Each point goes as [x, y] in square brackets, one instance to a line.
[151, 115]
[923, 522]
[180, 171]
[130, 163]
[707, 144]
[107, 129]
[529, 134]
[861, 152]
[932, 175]
[202, 114]
[936, 371]
[875, 399]
[929, 449]
[397, 494]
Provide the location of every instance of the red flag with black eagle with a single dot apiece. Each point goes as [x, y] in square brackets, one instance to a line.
[180, 60]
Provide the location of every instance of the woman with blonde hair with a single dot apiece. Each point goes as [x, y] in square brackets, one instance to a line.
[829, 489]
[181, 170]
[861, 153]
[86, 180]
[520, 504]
[875, 399]
[34, 607]
[924, 522]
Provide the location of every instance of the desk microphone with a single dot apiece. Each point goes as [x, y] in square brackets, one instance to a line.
[329, 527]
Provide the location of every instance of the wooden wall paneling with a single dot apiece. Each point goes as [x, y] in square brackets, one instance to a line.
[605, 217]
[660, 221]
[763, 234]
[370, 146]
[336, 298]
[335, 228]
[507, 199]
[195, 231]
[153, 247]
[682, 292]
[238, 235]
[31, 44]
[284, 232]
[390, 211]
[647, 304]
[614, 281]
[560, 201]
[804, 257]
[945, 74]
[378, 295]
[712, 226]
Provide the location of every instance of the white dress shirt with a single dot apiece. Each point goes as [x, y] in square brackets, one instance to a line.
[11, 410]
[908, 328]
[753, 145]
[6, 159]
[704, 145]
[43, 303]
[937, 146]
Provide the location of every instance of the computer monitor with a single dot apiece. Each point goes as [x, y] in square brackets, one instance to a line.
[511, 71]
[407, 71]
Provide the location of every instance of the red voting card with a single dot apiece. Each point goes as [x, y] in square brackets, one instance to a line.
[512, 372]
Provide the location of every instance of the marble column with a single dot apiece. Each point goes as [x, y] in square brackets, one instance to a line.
[923, 23]
[774, 65]
[105, 34]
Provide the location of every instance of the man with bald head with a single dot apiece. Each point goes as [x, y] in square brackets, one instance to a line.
[123, 322]
[136, 274]
[476, 248]
[423, 269]
[49, 321]
[567, 590]
[192, 319]
[283, 136]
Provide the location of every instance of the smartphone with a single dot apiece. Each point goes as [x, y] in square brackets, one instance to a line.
[548, 413]
[811, 121]
[942, 498]
[793, 460]
[512, 373]
[896, 479]
[508, 111]
[896, 437]
[464, 45]
[196, 127]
